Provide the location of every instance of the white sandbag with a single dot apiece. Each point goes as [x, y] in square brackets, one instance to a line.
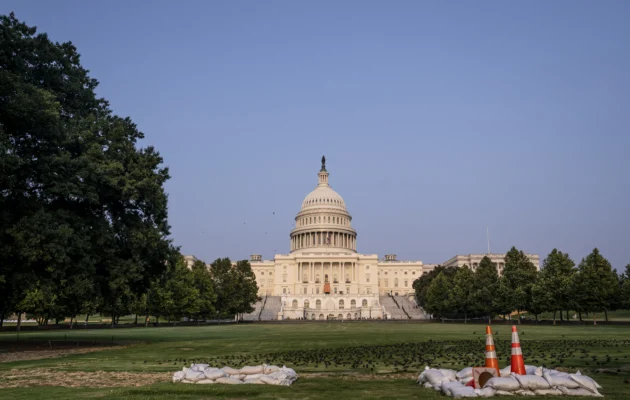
[178, 376]
[464, 391]
[428, 385]
[508, 384]
[553, 372]
[187, 381]
[198, 367]
[524, 392]
[255, 376]
[253, 381]
[252, 370]
[539, 371]
[503, 393]
[269, 380]
[447, 386]
[485, 392]
[194, 376]
[240, 377]
[505, 371]
[532, 382]
[449, 373]
[559, 380]
[214, 374]
[268, 369]
[548, 392]
[578, 392]
[586, 382]
[465, 373]
[205, 382]
[530, 369]
[229, 381]
[231, 371]
[435, 377]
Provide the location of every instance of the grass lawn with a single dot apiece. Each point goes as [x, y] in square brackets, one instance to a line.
[334, 360]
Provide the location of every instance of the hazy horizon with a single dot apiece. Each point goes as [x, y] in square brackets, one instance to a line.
[437, 119]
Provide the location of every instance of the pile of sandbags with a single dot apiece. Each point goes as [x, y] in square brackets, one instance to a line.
[537, 381]
[203, 374]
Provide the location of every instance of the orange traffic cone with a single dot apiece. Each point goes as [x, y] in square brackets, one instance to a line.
[517, 364]
[491, 352]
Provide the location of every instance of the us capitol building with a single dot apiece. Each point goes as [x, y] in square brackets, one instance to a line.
[325, 277]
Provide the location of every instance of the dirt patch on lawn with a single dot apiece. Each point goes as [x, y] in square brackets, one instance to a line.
[47, 377]
[43, 353]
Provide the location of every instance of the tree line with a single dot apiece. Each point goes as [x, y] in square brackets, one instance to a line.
[559, 287]
[83, 210]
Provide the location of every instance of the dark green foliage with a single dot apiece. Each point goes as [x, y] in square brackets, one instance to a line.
[421, 285]
[597, 285]
[554, 289]
[437, 302]
[486, 282]
[516, 283]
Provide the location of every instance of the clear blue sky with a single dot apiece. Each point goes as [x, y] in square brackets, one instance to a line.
[437, 118]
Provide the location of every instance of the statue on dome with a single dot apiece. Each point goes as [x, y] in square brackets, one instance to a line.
[323, 163]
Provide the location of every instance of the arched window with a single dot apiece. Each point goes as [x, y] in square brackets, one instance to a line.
[367, 278]
[341, 304]
[339, 316]
[349, 316]
[395, 282]
[386, 282]
[321, 316]
[305, 278]
[318, 304]
[305, 290]
[405, 283]
[312, 316]
[353, 303]
[306, 304]
[284, 277]
[364, 303]
[335, 289]
[284, 290]
[294, 304]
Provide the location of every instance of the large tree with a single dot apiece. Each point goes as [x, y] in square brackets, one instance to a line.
[438, 297]
[625, 289]
[486, 282]
[81, 206]
[461, 292]
[553, 290]
[421, 284]
[516, 283]
[597, 285]
[207, 297]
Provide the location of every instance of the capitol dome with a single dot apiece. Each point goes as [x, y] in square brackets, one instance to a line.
[323, 223]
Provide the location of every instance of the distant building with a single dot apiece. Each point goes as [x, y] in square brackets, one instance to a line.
[473, 260]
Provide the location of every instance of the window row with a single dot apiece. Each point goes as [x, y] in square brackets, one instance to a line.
[318, 220]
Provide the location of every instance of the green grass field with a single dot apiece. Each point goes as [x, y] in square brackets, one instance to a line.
[334, 360]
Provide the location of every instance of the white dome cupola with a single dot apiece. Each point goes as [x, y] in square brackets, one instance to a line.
[323, 223]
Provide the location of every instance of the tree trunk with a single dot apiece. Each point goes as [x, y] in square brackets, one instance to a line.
[113, 320]
[489, 320]
[594, 319]
[536, 315]
[580, 315]
[146, 321]
[71, 319]
[518, 312]
[465, 318]
[19, 323]
[136, 321]
[606, 315]
[2, 319]
[87, 318]
[567, 315]
[561, 316]
[554, 317]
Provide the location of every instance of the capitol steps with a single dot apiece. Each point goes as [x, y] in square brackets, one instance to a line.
[253, 316]
[271, 308]
[391, 307]
[411, 309]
